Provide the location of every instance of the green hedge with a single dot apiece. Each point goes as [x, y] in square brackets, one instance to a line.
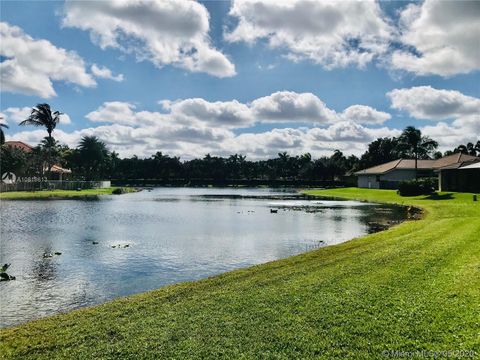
[417, 187]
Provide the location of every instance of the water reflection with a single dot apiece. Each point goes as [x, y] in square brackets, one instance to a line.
[173, 235]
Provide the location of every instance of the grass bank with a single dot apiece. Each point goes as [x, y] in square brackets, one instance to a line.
[413, 287]
[58, 194]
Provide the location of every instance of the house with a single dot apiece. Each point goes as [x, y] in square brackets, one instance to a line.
[390, 174]
[19, 145]
[57, 171]
[460, 177]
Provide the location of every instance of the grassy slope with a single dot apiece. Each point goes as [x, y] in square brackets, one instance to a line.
[414, 286]
[47, 194]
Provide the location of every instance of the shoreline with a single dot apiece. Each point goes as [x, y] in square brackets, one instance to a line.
[359, 267]
[84, 194]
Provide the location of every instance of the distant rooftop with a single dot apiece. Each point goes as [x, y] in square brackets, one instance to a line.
[59, 169]
[455, 160]
[27, 148]
[19, 145]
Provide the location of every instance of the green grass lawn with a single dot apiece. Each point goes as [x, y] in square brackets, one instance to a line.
[413, 287]
[57, 194]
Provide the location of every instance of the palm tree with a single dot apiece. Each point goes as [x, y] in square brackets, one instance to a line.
[2, 134]
[93, 156]
[42, 115]
[49, 142]
[413, 144]
[52, 149]
[468, 149]
[114, 161]
[471, 149]
[284, 162]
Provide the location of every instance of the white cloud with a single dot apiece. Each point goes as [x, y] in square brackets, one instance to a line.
[230, 114]
[349, 131]
[469, 125]
[266, 144]
[17, 115]
[434, 37]
[105, 73]
[362, 114]
[331, 33]
[114, 112]
[31, 65]
[278, 107]
[425, 102]
[163, 32]
[193, 127]
[65, 119]
[449, 136]
[345, 136]
[285, 106]
[458, 115]
[33, 137]
[445, 36]
[129, 131]
[196, 141]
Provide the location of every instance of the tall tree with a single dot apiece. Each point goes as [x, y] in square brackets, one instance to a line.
[42, 115]
[285, 163]
[93, 157]
[380, 151]
[468, 149]
[337, 164]
[437, 155]
[413, 144]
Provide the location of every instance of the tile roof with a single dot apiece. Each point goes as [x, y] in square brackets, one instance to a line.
[380, 169]
[59, 169]
[19, 145]
[397, 164]
[452, 161]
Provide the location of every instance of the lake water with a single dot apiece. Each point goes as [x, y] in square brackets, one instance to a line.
[127, 244]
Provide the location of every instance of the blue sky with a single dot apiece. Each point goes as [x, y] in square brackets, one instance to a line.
[241, 80]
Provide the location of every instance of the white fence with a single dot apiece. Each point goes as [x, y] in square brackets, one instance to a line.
[53, 185]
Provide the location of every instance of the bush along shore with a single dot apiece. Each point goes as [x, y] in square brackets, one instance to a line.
[84, 194]
[413, 287]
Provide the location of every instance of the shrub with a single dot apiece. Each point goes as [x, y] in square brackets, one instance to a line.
[430, 182]
[417, 187]
[118, 191]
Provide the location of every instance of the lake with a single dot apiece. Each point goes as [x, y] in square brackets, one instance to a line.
[121, 245]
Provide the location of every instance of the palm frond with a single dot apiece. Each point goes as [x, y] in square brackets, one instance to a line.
[31, 121]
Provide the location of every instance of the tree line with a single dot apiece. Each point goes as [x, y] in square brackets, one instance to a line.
[92, 160]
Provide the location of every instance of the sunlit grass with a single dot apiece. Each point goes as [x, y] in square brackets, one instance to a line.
[45, 194]
[413, 287]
